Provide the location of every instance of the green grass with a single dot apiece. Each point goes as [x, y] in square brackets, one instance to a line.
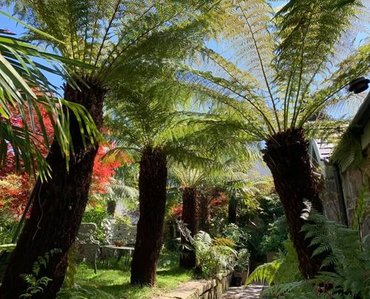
[115, 283]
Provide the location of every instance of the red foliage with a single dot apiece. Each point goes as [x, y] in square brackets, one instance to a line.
[103, 171]
[15, 186]
[176, 211]
[219, 200]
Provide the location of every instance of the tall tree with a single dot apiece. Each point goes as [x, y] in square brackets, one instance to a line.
[285, 69]
[188, 180]
[149, 124]
[120, 39]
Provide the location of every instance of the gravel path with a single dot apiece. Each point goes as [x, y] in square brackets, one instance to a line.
[253, 291]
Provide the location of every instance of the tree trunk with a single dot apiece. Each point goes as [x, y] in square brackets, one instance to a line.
[190, 218]
[286, 155]
[204, 212]
[111, 207]
[233, 205]
[58, 205]
[152, 201]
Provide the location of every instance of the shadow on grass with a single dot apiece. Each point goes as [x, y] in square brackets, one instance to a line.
[172, 272]
[112, 280]
[126, 291]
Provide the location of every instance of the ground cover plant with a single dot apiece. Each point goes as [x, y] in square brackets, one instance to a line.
[349, 257]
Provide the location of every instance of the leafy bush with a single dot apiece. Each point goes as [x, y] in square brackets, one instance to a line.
[238, 235]
[212, 258]
[242, 260]
[7, 225]
[96, 215]
[264, 226]
[350, 256]
[276, 235]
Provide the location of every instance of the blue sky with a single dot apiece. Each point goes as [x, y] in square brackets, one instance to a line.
[11, 25]
[6, 23]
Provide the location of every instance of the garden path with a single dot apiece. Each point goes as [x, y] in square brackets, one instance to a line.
[253, 291]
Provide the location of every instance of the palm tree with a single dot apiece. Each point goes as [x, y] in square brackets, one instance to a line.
[285, 70]
[120, 39]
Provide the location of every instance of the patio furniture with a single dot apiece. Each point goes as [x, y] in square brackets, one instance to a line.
[87, 247]
[107, 251]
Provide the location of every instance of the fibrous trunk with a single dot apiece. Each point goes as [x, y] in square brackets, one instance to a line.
[287, 157]
[233, 205]
[111, 207]
[204, 212]
[190, 218]
[152, 201]
[58, 205]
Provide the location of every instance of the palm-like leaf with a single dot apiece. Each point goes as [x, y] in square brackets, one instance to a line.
[284, 69]
[25, 90]
[114, 35]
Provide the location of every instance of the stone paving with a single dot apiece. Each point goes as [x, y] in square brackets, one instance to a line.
[253, 291]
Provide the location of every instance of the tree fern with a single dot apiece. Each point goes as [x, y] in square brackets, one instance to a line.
[276, 83]
[279, 73]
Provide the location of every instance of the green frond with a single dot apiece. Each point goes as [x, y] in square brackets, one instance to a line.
[186, 176]
[118, 190]
[25, 91]
[119, 154]
[110, 35]
[264, 273]
[282, 67]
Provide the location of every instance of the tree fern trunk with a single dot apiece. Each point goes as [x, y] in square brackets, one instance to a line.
[204, 212]
[152, 201]
[190, 218]
[232, 209]
[286, 155]
[58, 205]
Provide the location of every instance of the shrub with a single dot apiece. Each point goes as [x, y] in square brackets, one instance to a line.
[212, 258]
[7, 225]
[350, 256]
[96, 215]
[276, 235]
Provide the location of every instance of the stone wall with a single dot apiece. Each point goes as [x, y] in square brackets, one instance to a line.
[201, 289]
[332, 196]
[355, 183]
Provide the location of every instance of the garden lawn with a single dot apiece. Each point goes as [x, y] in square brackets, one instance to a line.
[114, 283]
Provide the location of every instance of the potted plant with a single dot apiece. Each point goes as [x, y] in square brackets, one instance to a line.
[241, 268]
